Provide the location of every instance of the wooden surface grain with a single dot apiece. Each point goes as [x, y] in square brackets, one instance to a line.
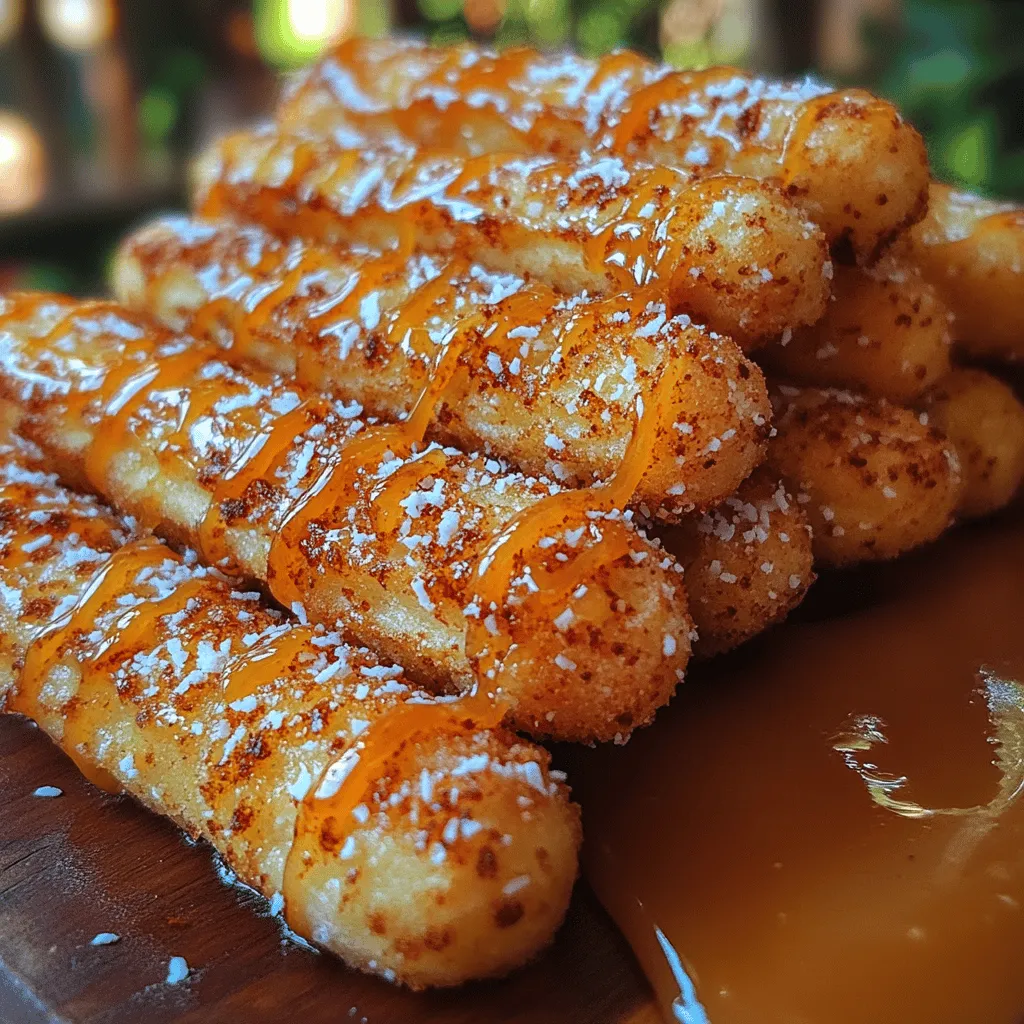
[83, 863]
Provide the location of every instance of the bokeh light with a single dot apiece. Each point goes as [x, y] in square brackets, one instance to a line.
[483, 16]
[292, 32]
[440, 10]
[11, 14]
[78, 24]
[22, 164]
[158, 114]
[548, 20]
[696, 33]
[600, 29]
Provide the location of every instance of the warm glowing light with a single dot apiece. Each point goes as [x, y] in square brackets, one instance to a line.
[688, 21]
[11, 13]
[483, 16]
[22, 164]
[77, 24]
[695, 33]
[291, 32]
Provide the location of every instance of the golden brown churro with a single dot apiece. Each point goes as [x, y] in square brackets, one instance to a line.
[984, 420]
[886, 333]
[728, 251]
[972, 250]
[748, 562]
[442, 561]
[846, 157]
[362, 808]
[873, 478]
[545, 383]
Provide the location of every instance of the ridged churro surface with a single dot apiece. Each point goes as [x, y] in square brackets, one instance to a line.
[846, 157]
[447, 563]
[546, 383]
[728, 251]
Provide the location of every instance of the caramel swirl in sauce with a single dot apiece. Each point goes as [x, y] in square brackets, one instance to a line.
[772, 857]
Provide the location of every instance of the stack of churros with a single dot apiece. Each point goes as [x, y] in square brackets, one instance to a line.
[458, 370]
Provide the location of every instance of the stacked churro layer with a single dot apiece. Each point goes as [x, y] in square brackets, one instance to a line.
[361, 806]
[924, 278]
[495, 410]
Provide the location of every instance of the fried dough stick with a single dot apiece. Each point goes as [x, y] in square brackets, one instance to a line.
[873, 479]
[546, 384]
[748, 562]
[972, 250]
[728, 251]
[159, 681]
[984, 420]
[433, 558]
[886, 333]
[846, 158]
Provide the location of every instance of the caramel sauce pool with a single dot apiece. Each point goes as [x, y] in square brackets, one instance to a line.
[828, 827]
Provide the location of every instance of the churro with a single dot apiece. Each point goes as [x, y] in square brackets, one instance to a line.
[846, 157]
[886, 333]
[415, 838]
[728, 251]
[444, 562]
[545, 383]
[984, 420]
[972, 250]
[873, 478]
[748, 562]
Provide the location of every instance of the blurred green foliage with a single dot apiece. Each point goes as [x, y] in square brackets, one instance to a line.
[589, 26]
[956, 68]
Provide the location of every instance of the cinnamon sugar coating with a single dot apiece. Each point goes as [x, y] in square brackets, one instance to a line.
[161, 680]
[346, 524]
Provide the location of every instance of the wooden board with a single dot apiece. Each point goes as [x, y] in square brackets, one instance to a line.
[82, 863]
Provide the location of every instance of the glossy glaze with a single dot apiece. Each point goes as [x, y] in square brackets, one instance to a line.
[826, 828]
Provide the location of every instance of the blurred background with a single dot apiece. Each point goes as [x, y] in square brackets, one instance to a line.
[102, 101]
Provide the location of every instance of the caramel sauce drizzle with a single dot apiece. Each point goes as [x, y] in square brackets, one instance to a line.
[260, 460]
[325, 810]
[122, 394]
[505, 557]
[504, 80]
[323, 817]
[51, 646]
[323, 821]
[501, 77]
[635, 121]
[795, 159]
[268, 659]
[621, 256]
[365, 452]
